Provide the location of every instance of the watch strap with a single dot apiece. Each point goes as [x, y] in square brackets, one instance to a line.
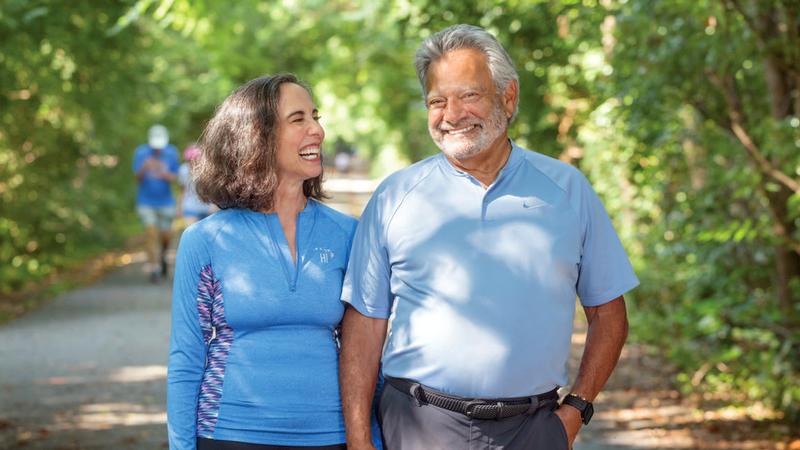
[581, 404]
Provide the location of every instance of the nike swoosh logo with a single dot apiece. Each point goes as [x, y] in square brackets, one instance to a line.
[532, 202]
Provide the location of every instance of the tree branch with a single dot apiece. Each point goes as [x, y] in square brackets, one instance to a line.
[736, 115]
[766, 33]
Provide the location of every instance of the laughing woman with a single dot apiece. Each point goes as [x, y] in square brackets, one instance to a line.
[253, 350]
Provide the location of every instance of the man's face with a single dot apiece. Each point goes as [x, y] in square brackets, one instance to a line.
[465, 113]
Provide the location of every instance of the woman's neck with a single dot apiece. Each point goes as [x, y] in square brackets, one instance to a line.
[288, 200]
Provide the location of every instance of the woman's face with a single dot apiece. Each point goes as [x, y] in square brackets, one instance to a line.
[300, 135]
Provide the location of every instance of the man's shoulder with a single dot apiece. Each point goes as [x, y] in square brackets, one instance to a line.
[548, 163]
[404, 180]
[564, 175]
[142, 149]
[171, 150]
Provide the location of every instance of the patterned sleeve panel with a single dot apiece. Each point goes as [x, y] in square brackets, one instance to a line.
[219, 338]
[193, 294]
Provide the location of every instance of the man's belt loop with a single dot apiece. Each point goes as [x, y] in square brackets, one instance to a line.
[534, 406]
[416, 392]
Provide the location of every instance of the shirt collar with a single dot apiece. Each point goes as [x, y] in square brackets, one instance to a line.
[513, 161]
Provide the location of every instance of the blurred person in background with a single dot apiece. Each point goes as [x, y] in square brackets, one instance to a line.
[255, 311]
[190, 207]
[155, 166]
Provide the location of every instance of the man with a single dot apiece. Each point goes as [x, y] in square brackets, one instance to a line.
[155, 166]
[479, 253]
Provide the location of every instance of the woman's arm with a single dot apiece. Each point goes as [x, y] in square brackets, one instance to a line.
[188, 343]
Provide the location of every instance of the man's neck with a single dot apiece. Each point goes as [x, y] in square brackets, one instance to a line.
[486, 165]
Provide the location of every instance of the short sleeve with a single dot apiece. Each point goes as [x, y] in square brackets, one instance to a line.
[605, 271]
[138, 158]
[366, 283]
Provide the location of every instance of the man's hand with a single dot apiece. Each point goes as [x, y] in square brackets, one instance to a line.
[608, 329]
[571, 419]
[158, 169]
[152, 164]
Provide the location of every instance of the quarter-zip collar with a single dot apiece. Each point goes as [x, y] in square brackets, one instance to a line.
[306, 221]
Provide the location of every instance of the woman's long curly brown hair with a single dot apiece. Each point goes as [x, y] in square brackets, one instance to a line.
[237, 164]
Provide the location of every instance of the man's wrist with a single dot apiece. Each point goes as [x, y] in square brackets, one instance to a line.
[581, 405]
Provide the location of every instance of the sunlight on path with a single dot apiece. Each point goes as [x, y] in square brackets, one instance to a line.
[88, 370]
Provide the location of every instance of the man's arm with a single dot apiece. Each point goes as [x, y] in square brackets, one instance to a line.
[139, 174]
[140, 165]
[608, 329]
[362, 344]
[168, 176]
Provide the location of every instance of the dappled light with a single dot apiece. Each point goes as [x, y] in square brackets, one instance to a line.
[138, 374]
[684, 116]
[104, 416]
[644, 409]
[121, 375]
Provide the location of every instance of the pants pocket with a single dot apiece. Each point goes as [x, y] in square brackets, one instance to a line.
[560, 439]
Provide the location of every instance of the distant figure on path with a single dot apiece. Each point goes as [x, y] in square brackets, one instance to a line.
[255, 309]
[191, 207]
[478, 254]
[155, 166]
[342, 162]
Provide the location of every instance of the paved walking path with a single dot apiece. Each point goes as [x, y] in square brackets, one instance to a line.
[87, 371]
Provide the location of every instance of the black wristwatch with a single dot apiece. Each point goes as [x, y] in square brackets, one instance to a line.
[582, 405]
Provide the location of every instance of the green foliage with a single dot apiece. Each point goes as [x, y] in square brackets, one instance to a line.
[75, 100]
[713, 231]
[667, 106]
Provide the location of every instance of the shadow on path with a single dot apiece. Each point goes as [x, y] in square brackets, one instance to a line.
[88, 370]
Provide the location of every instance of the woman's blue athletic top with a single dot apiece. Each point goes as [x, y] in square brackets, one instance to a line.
[253, 352]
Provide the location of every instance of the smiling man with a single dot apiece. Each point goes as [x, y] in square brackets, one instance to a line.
[478, 254]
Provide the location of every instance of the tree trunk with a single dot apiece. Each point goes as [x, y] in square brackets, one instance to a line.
[778, 66]
[787, 261]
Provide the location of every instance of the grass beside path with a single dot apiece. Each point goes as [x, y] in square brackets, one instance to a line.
[82, 272]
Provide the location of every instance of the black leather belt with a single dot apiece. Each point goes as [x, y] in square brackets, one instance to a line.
[476, 408]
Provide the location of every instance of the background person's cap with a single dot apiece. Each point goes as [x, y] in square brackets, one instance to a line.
[158, 136]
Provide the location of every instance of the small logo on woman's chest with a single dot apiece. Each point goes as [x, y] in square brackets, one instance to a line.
[325, 254]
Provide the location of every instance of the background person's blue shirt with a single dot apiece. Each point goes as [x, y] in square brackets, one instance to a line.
[482, 283]
[153, 191]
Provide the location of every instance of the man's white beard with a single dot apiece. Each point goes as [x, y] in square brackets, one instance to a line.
[464, 147]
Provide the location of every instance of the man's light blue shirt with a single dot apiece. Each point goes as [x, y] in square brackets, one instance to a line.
[481, 283]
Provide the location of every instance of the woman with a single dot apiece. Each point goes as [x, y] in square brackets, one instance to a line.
[191, 208]
[253, 351]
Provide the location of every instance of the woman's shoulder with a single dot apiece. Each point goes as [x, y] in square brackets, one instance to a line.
[207, 229]
[339, 219]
